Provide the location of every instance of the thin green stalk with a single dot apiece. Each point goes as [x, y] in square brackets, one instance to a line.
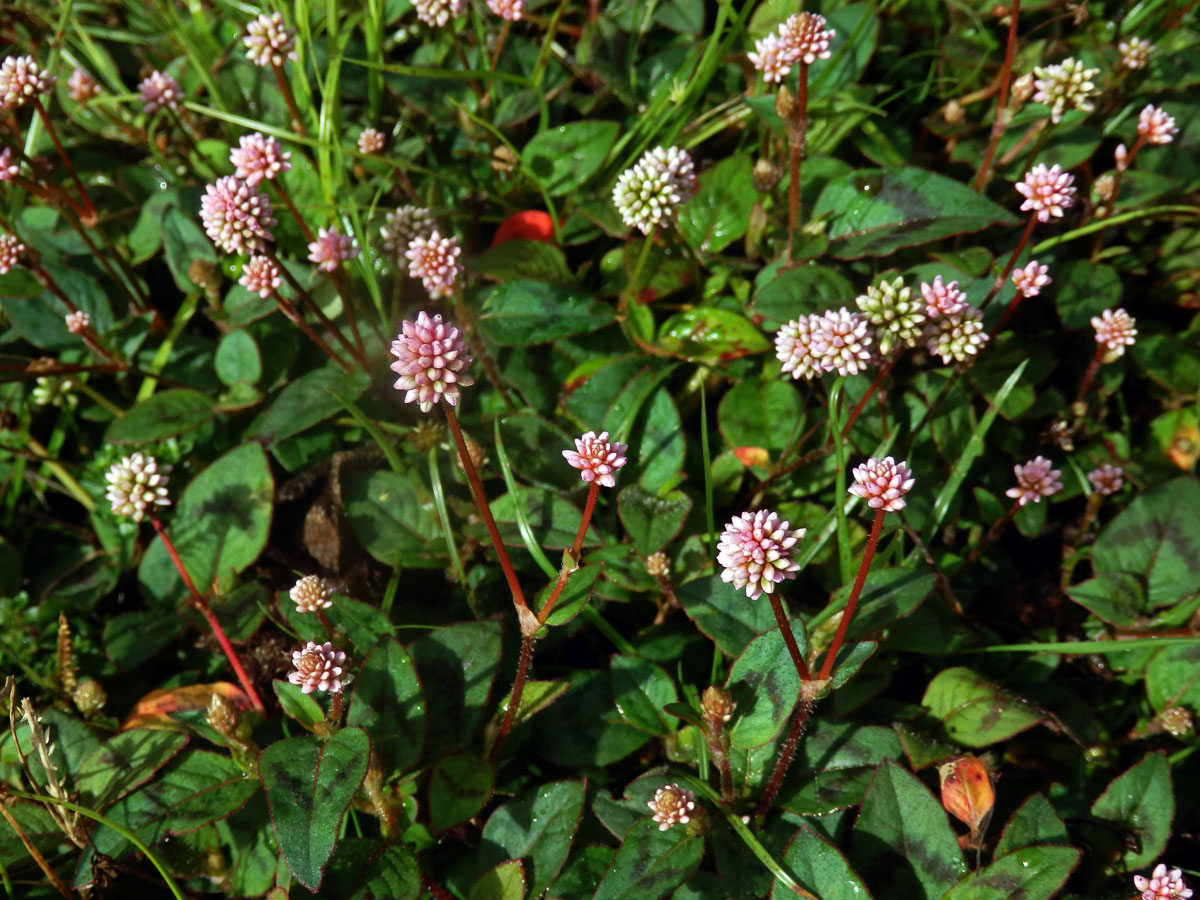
[188, 309]
[706, 455]
[1089, 648]
[439, 502]
[527, 535]
[381, 441]
[845, 559]
[389, 594]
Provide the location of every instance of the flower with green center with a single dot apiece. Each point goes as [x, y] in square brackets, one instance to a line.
[1067, 85]
[957, 337]
[894, 312]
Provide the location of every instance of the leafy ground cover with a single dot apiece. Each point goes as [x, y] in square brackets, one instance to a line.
[626, 450]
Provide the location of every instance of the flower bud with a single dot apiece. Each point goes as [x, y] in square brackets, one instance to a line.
[89, 696]
[716, 706]
[766, 176]
[785, 103]
[222, 716]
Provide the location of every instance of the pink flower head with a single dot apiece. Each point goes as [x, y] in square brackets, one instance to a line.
[793, 347]
[78, 322]
[882, 483]
[1121, 158]
[671, 805]
[1048, 192]
[9, 168]
[317, 667]
[1115, 330]
[841, 342]
[371, 140]
[1108, 479]
[508, 10]
[10, 252]
[1031, 279]
[1156, 126]
[438, 13]
[1163, 884]
[311, 594]
[1035, 480]
[236, 216]
[430, 359]
[597, 458]
[943, 299]
[268, 41]
[135, 485]
[261, 276]
[331, 249]
[82, 87]
[755, 551]
[159, 90]
[1135, 52]
[434, 259]
[771, 57]
[21, 80]
[257, 157]
[802, 38]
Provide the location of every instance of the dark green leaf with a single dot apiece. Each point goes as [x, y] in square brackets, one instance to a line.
[765, 686]
[759, 412]
[459, 786]
[163, 415]
[586, 729]
[526, 436]
[505, 882]
[1085, 289]
[658, 437]
[574, 597]
[829, 790]
[537, 827]
[710, 335]
[1035, 822]
[717, 214]
[457, 665]
[652, 522]
[298, 705]
[1116, 598]
[134, 637]
[563, 159]
[606, 395]
[792, 293]
[306, 401]
[184, 242]
[237, 359]
[849, 660]
[517, 260]
[388, 705]
[887, 595]
[393, 517]
[819, 866]
[640, 691]
[725, 614]
[975, 712]
[521, 313]
[554, 521]
[1142, 802]
[1173, 678]
[125, 761]
[1033, 873]
[649, 863]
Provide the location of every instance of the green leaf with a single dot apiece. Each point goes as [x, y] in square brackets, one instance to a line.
[166, 414]
[388, 705]
[517, 260]
[522, 313]
[298, 705]
[765, 686]
[1116, 598]
[850, 658]
[710, 335]
[1157, 538]
[574, 597]
[525, 436]
[362, 622]
[237, 359]
[305, 401]
[723, 613]
[1173, 678]
[874, 212]
[394, 874]
[903, 838]
[792, 293]
[563, 159]
[887, 595]
[819, 866]
[219, 526]
[718, 213]
[40, 321]
[1142, 802]
[1033, 873]
[586, 729]
[125, 761]
[760, 412]
[827, 791]
[459, 786]
[134, 637]
[1084, 289]
[652, 522]
[975, 712]
[1035, 822]
[184, 243]
[505, 882]
[607, 394]
[554, 521]
[640, 691]
[649, 863]
[457, 665]
[393, 518]
[537, 827]
[659, 439]
[309, 786]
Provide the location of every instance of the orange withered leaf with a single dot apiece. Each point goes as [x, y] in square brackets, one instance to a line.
[752, 456]
[154, 709]
[967, 790]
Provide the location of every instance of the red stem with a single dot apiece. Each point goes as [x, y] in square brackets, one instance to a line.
[870, 390]
[576, 548]
[788, 638]
[90, 213]
[514, 698]
[796, 150]
[994, 532]
[848, 612]
[1012, 261]
[786, 753]
[286, 90]
[1000, 122]
[206, 611]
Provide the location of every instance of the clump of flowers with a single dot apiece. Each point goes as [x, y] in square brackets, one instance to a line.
[10, 252]
[841, 342]
[311, 594]
[1067, 85]
[9, 168]
[77, 322]
[401, 226]
[317, 667]
[21, 80]
[1031, 279]
[1107, 479]
[431, 357]
[657, 565]
[1048, 192]
[1035, 480]
[942, 299]
[896, 314]
[1163, 884]
[434, 259]
[331, 249]
[371, 140]
[508, 10]
[755, 552]
[159, 90]
[1115, 331]
[237, 216]
[261, 276]
[257, 157]
[135, 485]
[793, 347]
[81, 86]
[1155, 126]
[597, 458]
[1135, 53]
[650, 192]
[958, 337]
[438, 12]
[268, 41]
[803, 37]
[672, 805]
[882, 483]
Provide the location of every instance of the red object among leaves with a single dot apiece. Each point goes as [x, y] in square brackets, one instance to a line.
[967, 792]
[527, 225]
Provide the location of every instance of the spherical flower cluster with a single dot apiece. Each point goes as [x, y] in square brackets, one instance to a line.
[434, 259]
[331, 249]
[52, 390]
[671, 804]
[1035, 480]
[21, 80]
[716, 705]
[793, 347]
[81, 86]
[268, 41]
[508, 10]
[9, 168]
[942, 299]
[841, 342]
[430, 360]
[755, 552]
[1163, 884]
[657, 565]
[10, 252]
[1048, 192]
[236, 216]
[401, 226]
[650, 191]
[882, 483]
[371, 140]
[1176, 721]
[957, 337]
[311, 593]
[1156, 126]
[438, 12]
[78, 321]
[159, 90]
[1031, 279]
[317, 667]
[1115, 331]
[597, 458]
[1135, 53]
[261, 276]
[1067, 85]
[802, 38]
[257, 157]
[765, 175]
[1107, 479]
[896, 314]
[135, 485]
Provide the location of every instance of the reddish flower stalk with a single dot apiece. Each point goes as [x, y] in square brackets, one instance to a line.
[994, 532]
[860, 579]
[88, 215]
[878, 380]
[786, 753]
[286, 90]
[576, 548]
[514, 697]
[206, 611]
[1000, 122]
[795, 152]
[1003, 277]
[788, 638]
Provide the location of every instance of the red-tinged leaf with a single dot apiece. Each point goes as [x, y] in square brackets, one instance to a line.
[967, 790]
[155, 708]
